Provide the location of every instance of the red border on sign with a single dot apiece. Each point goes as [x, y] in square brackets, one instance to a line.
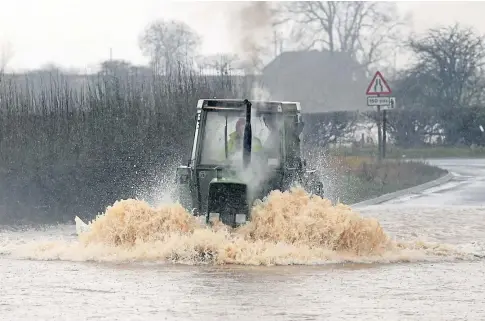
[368, 92]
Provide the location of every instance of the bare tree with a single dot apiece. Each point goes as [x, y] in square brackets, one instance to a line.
[365, 30]
[442, 90]
[453, 58]
[168, 43]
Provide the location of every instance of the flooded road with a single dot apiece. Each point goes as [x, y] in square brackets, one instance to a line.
[61, 281]
[465, 189]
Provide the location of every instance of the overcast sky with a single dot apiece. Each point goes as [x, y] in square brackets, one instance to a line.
[79, 33]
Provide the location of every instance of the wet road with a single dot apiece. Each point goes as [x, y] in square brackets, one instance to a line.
[421, 289]
[467, 188]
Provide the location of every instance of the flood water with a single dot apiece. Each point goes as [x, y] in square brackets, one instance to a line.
[418, 258]
[36, 285]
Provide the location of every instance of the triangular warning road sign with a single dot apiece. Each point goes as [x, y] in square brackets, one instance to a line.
[378, 86]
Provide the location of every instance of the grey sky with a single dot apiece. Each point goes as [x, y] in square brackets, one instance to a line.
[79, 33]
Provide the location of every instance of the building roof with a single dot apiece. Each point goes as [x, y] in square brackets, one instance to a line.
[321, 80]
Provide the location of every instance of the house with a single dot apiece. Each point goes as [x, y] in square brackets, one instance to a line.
[321, 80]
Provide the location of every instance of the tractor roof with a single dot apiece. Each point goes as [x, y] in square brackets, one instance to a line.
[239, 105]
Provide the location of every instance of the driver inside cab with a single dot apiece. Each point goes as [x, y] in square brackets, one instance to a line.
[235, 142]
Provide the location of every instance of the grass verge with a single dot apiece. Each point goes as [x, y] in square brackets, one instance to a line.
[394, 152]
[363, 178]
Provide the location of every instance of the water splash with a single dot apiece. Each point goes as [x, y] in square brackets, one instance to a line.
[287, 228]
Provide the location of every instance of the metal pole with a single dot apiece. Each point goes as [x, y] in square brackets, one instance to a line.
[384, 135]
[379, 133]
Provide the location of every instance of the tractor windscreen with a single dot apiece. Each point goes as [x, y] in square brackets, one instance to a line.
[214, 139]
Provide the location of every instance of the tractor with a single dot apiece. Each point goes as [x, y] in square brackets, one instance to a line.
[241, 151]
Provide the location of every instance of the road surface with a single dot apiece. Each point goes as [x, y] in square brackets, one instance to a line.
[467, 188]
[59, 280]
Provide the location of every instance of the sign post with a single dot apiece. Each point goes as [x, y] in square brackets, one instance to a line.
[378, 86]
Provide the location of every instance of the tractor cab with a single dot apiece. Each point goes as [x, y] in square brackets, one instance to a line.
[241, 151]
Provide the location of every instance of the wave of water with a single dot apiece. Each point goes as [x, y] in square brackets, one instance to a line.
[287, 228]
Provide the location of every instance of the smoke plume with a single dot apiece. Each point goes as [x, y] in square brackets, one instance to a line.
[251, 25]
